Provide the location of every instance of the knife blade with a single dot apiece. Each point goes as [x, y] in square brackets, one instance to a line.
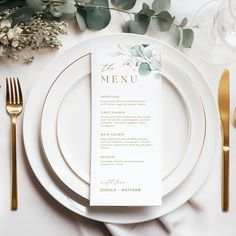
[224, 109]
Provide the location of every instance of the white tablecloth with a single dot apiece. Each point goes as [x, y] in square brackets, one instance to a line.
[40, 215]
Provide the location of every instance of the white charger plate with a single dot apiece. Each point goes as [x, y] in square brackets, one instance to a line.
[180, 152]
[31, 134]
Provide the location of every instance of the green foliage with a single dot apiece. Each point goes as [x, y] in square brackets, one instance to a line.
[37, 5]
[97, 17]
[22, 14]
[66, 8]
[188, 37]
[95, 14]
[144, 69]
[163, 21]
[177, 35]
[184, 22]
[52, 11]
[147, 10]
[132, 27]
[81, 22]
[161, 5]
[124, 4]
[141, 21]
[9, 4]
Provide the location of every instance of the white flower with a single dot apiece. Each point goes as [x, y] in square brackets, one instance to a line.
[17, 30]
[5, 23]
[1, 51]
[10, 34]
[38, 33]
[2, 35]
[63, 28]
[13, 32]
[15, 43]
[4, 40]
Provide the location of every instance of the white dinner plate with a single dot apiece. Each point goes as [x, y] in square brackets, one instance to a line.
[180, 152]
[31, 134]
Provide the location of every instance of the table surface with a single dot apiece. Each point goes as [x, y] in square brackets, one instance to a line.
[39, 213]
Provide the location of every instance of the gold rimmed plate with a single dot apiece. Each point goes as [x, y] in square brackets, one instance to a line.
[35, 154]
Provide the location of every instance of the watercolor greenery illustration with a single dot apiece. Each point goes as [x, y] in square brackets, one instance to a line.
[88, 14]
[144, 58]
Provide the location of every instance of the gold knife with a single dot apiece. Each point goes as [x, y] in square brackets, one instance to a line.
[224, 108]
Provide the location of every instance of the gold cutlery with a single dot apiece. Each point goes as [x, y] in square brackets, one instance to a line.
[14, 106]
[235, 117]
[224, 109]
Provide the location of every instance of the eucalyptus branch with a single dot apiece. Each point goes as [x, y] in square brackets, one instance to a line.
[91, 14]
[82, 4]
[119, 10]
[87, 5]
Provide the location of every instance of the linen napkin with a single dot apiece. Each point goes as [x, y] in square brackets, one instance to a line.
[196, 217]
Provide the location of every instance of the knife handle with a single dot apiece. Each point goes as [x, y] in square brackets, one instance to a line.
[225, 180]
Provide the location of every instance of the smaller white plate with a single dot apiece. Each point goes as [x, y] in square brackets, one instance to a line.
[73, 130]
[182, 113]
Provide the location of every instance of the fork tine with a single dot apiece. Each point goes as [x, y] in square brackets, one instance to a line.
[8, 97]
[16, 91]
[20, 92]
[13, 95]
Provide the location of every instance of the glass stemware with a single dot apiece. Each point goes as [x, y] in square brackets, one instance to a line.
[215, 31]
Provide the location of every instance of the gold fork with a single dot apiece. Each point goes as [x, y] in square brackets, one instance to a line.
[14, 106]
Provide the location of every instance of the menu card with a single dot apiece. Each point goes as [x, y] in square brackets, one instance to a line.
[126, 126]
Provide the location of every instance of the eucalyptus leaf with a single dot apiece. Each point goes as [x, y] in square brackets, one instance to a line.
[147, 52]
[144, 69]
[22, 14]
[86, 1]
[184, 22]
[82, 11]
[66, 8]
[188, 37]
[132, 27]
[142, 21]
[147, 11]
[137, 26]
[8, 4]
[135, 51]
[124, 4]
[126, 26]
[46, 14]
[54, 12]
[98, 17]
[177, 35]
[161, 5]
[163, 21]
[37, 5]
[81, 22]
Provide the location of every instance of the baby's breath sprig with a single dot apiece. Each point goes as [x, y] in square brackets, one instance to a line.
[36, 33]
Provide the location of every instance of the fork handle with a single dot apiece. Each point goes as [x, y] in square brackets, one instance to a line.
[14, 194]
